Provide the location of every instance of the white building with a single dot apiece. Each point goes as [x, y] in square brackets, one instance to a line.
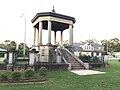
[85, 48]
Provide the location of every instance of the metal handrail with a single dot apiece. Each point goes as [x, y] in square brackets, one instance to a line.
[80, 61]
[64, 59]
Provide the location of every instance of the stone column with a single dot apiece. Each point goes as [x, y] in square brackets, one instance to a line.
[10, 61]
[58, 59]
[37, 35]
[94, 54]
[40, 33]
[54, 37]
[34, 38]
[49, 32]
[106, 60]
[61, 38]
[32, 55]
[70, 34]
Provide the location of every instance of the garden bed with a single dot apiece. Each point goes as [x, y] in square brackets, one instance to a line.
[25, 80]
[26, 76]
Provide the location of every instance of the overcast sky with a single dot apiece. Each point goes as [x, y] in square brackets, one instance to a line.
[99, 19]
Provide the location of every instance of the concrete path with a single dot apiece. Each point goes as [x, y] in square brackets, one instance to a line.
[86, 72]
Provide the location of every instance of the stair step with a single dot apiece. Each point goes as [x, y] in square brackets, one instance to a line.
[73, 61]
[75, 64]
[70, 59]
[77, 67]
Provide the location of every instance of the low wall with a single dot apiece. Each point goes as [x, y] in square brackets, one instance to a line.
[52, 66]
[92, 65]
[21, 66]
[3, 67]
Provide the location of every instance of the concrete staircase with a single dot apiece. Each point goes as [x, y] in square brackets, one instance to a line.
[75, 64]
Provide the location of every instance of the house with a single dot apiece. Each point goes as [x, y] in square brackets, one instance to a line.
[3, 54]
[86, 48]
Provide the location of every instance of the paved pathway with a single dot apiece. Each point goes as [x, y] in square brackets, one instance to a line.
[86, 72]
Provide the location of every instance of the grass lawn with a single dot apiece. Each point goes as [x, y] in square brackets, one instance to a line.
[65, 80]
[22, 62]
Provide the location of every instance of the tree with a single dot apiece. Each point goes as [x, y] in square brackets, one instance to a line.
[116, 45]
[105, 43]
[12, 45]
[20, 49]
[115, 40]
[8, 45]
[91, 40]
[2, 46]
[112, 45]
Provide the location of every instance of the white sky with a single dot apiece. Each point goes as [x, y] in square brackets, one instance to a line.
[99, 19]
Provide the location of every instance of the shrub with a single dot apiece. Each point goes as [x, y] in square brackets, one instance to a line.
[43, 71]
[28, 74]
[16, 76]
[4, 77]
[118, 60]
[93, 59]
[85, 58]
[96, 59]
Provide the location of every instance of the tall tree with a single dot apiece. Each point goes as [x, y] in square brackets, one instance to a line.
[91, 40]
[12, 45]
[2, 46]
[105, 43]
[8, 45]
[112, 45]
[116, 46]
[20, 49]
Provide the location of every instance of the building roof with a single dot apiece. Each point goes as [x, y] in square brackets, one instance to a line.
[82, 43]
[79, 49]
[76, 44]
[96, 45]
[92, 44]
[54, 15]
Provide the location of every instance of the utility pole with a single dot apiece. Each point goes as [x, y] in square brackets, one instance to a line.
[107, 47]
[24, 37]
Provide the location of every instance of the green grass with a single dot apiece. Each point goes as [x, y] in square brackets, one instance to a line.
[22, 62]
[65, 80]
[1, 62]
